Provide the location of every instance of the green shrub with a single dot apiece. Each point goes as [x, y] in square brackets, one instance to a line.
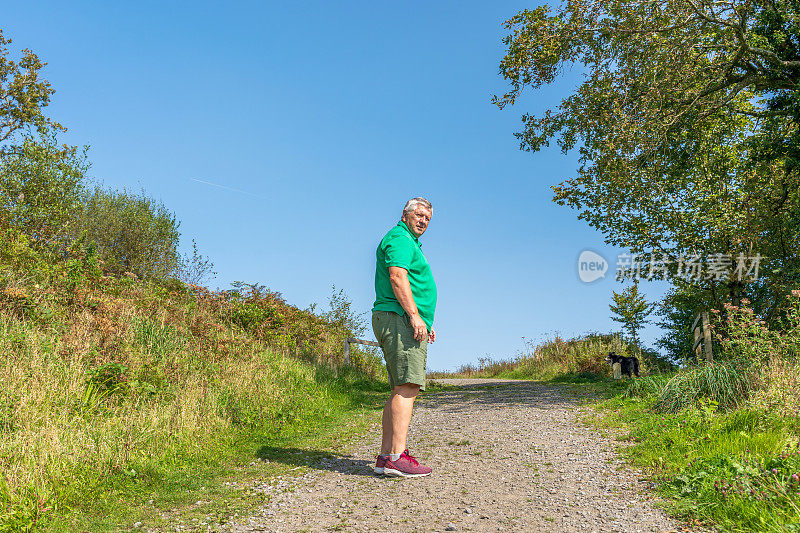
[134, 233]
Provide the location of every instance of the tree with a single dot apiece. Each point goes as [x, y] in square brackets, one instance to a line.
[630, 308]
[41, 181]
[42, 187]
[23, 94]
[686, 125]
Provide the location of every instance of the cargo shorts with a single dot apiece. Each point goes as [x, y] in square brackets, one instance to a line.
[405, 356]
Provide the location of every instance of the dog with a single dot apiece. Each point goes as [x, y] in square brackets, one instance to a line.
[629, 365]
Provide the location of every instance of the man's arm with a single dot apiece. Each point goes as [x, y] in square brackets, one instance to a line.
[398, 277]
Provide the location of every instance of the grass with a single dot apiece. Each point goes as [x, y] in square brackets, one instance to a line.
[728, 384]
[80, 455]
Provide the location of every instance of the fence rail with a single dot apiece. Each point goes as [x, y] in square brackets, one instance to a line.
[702, 335]
[347, 343]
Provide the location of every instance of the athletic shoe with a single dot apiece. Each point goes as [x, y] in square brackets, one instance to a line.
[380, 462]
[405, 466]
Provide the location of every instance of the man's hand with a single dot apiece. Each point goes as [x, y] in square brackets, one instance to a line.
[420, 329]
[432, 336]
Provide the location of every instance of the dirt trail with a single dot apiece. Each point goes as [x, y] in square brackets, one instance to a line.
[506, 455]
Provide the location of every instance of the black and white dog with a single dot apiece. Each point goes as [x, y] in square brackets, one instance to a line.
[629, 365]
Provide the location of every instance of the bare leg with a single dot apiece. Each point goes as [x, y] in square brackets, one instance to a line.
[401, 404]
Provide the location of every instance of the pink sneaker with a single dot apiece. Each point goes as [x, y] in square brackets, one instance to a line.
[380, 462]
[405, 466]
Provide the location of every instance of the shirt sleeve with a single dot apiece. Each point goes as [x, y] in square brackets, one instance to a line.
[398, 253]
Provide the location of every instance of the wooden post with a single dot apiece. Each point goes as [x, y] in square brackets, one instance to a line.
[707, 339]
[617, 367]
[697, 344]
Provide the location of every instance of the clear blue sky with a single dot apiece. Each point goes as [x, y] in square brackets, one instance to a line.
[321, 119]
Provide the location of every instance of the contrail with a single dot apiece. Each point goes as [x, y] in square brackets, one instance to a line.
[227, 188]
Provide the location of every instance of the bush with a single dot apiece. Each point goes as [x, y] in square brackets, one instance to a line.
[134, 233]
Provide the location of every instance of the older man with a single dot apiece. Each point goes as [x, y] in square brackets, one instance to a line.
[402, 319]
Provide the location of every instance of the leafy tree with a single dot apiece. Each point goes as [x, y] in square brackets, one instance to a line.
[630, 308]
[685, 122]
[41, 186]
[23, 93]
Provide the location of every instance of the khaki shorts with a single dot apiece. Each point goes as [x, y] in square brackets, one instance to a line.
[406, 357]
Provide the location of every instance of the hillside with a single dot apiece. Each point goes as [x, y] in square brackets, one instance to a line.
[115, 391]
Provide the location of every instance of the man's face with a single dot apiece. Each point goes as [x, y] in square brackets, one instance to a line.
[417, 220]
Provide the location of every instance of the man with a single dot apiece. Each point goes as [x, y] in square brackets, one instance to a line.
[402, 319]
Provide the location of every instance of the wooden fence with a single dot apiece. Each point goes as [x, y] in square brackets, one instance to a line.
[347, 343]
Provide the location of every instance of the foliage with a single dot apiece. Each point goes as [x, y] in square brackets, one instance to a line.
[677, 312]
[266, 315]
[631, 309]
[23, 92]
[749, 336]
[341, 314]
[41, 186]
[134, 233]
[684, 123]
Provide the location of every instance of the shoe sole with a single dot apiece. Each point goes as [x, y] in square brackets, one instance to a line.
[378, 470]
[391, 472]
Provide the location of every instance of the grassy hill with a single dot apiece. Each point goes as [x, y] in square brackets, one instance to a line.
[123, 399]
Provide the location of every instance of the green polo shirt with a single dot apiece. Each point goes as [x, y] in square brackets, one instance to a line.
[401, 248]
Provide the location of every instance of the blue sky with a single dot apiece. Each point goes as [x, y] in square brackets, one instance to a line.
[316, 121]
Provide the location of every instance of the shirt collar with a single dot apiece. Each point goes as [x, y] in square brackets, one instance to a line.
[405, 227]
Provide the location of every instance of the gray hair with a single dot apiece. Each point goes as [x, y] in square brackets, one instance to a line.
[414, 203]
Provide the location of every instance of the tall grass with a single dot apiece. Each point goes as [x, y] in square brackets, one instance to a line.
[729, 384]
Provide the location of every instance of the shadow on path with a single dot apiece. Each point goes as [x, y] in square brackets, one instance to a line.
[344, 464]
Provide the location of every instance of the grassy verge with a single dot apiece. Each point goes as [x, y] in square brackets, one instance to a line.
[581, 358]
[737, 469]
[127, 460]
[205, 490]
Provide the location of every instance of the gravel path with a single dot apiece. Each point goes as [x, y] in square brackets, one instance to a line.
[507, 455]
